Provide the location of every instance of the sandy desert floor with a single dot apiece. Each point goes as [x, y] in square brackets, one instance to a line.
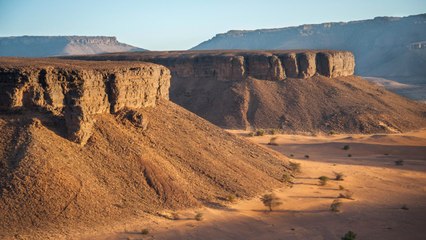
[380, 190]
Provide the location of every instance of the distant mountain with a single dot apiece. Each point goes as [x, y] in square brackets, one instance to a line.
[45, 46]
[389, 47]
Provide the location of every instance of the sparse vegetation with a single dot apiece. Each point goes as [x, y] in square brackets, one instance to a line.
[199, 216]
[399, 162]
[291, 155]
[271, 201]
[323, 180]
[339, 176]
[175, 216]
[349, 155]
[386, 154]
[332, 132]
[287, 178]
[336, 205]
[272, 131]
[349, 236]
[259, 132]
[347, 194]
[295, 167]
[346, 147]
[273, 141]
[341, 188]
[404, 207]
[145, 231]
[231, 198]
[306, 156]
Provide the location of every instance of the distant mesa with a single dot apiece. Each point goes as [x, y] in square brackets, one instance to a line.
[46, 46]
[296, 91]
[387, 47]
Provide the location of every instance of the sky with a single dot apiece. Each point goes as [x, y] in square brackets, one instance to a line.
[182, 24]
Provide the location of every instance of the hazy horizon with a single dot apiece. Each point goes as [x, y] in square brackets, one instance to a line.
[165, 25]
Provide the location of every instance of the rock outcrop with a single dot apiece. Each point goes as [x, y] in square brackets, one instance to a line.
[236, 65]
[46, 46]
[386, 47]
[296, 91]
[77, 90]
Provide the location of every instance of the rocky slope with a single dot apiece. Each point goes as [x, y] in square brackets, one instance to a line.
[387, 47]
[296, 91]
[143, 154]
[45, 46]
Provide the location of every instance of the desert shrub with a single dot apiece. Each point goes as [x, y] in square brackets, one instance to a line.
[273, 141]
[386, 154]
[336, 205]
[175, 216]
[287, 178]
[199, 216]
[259, 132]
[251, 134]
[346, 147]
[272, 131]
[271, 201]
[347, 194]
[295, 167]
[145, 231]
[291, 155]
[341, 187]
[323, 180]
[306, 156]
[399, 162]
[349, 236]
[339, 176]
[231, 198]
[332, 132]
[404, 207]
[349, 155]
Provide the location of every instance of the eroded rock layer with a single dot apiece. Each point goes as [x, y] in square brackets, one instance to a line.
[77, 90]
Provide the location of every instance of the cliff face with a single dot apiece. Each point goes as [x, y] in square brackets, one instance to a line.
[76, 91]
[44, 46]
[384, 46]
[296, 91]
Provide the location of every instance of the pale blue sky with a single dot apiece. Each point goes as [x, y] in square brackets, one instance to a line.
[173, 25]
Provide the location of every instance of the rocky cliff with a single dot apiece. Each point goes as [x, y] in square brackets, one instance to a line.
[385, 47]
[77, 90]
[45, 46]
[296, 91]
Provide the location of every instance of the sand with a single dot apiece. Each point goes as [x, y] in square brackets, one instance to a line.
[380, 190]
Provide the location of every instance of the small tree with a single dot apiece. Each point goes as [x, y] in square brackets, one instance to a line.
[273, 141]
[271, 201]
[335, 205]
[295, 167]
[349, 236]
[339, 176]
[199, 216]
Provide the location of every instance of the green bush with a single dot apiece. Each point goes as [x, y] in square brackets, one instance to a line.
[260, 132]
[323, 180]
[295, 167]
[199, 216]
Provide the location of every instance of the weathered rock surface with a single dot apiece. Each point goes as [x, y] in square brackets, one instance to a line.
[237, 65]
[77, 90]
[296, 91]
